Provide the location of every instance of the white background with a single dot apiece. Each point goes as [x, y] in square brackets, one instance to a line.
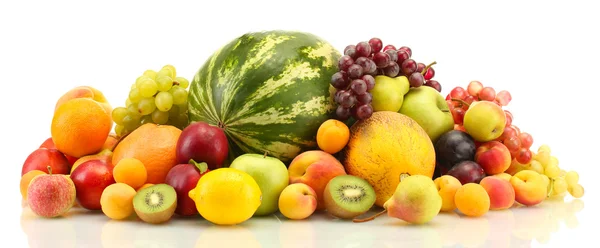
[545, 53]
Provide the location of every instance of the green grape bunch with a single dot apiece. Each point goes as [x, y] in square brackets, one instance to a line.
[158, 97]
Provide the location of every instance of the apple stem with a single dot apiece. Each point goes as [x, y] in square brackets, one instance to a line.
[427, 67]
[49, 170]
[460, 100]
[265, 154]
[203, 167]
[369, 218]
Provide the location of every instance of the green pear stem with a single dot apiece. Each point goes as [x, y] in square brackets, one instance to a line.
[203, 167]
[427, 67]
[460, 100]
[49, 170]
[369, 218]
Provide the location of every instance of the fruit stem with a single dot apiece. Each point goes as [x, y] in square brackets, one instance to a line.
[460, 100]
[369, 218]
[49, 170]
[427, 68]
[203, 167]
[265, 154]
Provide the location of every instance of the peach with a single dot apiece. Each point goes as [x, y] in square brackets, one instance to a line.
[515, 167]
[84, 92]
[315, 169]
[472, 200]
[529, 186]
[51, 195]
[500, 191]
[297, 201]
[332, 136]
[493, 157]
[26, 179]
[49, 144]
[504, 176]
[41, 158]
[447, 186]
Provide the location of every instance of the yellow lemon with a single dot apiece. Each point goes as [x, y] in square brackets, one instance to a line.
[226, 196]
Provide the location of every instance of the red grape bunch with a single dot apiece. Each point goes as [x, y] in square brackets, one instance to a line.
[459, 100]
[359, 66]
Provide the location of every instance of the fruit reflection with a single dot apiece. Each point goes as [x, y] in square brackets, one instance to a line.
[227, 236]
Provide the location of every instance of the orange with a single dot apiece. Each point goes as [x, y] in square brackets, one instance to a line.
[80, 127]
[386, 147]
[153, 145]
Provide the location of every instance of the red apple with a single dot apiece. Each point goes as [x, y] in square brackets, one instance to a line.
[41, 158]
[493, 157]
[203, 143]
[184, 177]
[49, 144]
[91, 178]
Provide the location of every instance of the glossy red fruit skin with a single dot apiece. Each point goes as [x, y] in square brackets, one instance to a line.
[90, 179]
[202, 143]
[41, 158]
[184, 177]
[49, 144]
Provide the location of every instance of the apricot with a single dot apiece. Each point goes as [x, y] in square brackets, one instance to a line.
[332, 136]
[117, 201]
[447, 186]
[297, 201]
[500, 191]
[530, 187]
[130, 171]
[26, 179]
[472, 200]
[144, 186]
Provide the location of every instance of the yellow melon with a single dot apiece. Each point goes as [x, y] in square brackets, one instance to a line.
[385, 147]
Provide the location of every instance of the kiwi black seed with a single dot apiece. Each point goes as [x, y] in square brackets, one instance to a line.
[348, 196]
[155, 204]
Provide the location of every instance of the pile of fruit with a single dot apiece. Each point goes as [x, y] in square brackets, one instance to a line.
[282, 122]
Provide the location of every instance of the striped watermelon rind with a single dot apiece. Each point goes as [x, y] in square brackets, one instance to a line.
[269, 91]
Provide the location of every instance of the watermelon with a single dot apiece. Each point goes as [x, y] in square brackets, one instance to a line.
[269, 91]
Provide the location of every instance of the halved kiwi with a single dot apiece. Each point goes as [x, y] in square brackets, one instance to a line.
[155, 204]
[348, 196]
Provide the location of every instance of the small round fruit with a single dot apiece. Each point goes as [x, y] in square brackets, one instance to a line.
[447, 186]
[155, 204]
[297, 201]
[333, 136]
[117, 201]
[130, 171]
[145, 186]
[226, 196]
[472, 200]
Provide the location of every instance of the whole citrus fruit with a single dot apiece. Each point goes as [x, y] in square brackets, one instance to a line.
[385, 147]
[80, 127]
[153, 145]
[226, 196]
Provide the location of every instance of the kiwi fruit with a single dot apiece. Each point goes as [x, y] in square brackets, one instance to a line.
[155, 204]
[348, 196]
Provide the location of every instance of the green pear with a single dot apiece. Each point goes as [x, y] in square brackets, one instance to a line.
[388, 93]
[428, 107]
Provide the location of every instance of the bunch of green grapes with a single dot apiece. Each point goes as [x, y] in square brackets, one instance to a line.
[559, 180]
[158, 97]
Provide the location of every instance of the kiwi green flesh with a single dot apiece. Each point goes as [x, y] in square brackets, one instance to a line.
[348, 196]
[155, 204]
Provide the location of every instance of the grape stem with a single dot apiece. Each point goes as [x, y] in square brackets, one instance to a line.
[460, 100]
[369, 218]
[427, 68]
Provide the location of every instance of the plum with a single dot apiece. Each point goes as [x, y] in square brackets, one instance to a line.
[452, 148]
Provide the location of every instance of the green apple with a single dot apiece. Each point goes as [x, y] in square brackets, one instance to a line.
[484, 121]
[428, 107]
[270, 173]
[388, 93]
